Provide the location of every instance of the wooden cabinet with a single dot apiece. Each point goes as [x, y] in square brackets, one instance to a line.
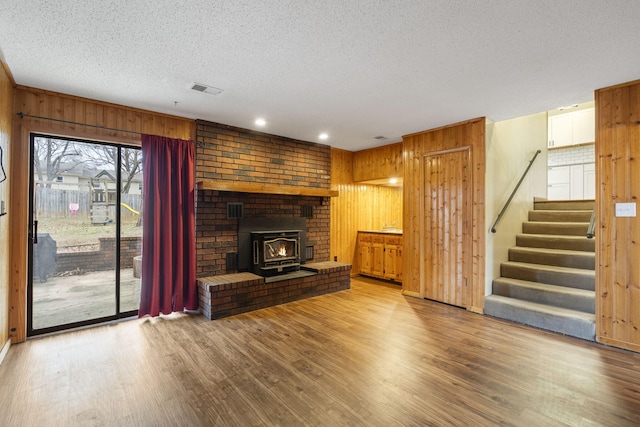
[560, 130]
[380, 255]
[393, 258]
[364, 250]
[573, 128]
[378, 163]
[377, 255]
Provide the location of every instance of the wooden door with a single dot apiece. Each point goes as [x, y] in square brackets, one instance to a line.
[446, 226]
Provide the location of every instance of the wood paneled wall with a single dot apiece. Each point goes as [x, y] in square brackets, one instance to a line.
[618, 238]
[469, 134]
[6, 109]
[378, 163]
[358, 207]
[72, 109]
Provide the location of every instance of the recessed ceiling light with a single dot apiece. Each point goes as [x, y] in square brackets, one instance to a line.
[323, 136]
[260, 122]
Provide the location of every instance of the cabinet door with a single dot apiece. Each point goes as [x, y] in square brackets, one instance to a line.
[377, 259]
[390, 254]
[365, 258]
[558, 181]
[399, 264]
[584, 126]
[560, 130]
[558, 192]
[364, 248]
[558, 175]
[590, 181]
[577, 182]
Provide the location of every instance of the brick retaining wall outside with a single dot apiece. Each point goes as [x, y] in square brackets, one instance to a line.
[102, 259]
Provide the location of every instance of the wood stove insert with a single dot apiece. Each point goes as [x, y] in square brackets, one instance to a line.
[275, 252]
[272, 247]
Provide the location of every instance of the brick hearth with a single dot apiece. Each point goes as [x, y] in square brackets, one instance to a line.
[230, 294]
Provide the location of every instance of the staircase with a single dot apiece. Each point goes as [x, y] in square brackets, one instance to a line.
[549, 280]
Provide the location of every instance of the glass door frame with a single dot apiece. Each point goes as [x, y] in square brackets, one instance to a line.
[30, 261]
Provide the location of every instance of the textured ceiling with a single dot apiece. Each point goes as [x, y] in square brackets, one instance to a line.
[353, 69]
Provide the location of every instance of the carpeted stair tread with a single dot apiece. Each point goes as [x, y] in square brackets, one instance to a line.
[542, 293]
[556, 257]
[564, 205]
[560, 216]
[555, 228]
[557, 319]
[552, 275]
[576, 243]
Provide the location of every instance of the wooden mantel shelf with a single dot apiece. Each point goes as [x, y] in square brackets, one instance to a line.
[252, 187]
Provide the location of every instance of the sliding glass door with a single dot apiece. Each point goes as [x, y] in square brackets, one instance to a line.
[86, 233]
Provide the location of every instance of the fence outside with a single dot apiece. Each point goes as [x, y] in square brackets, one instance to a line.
[53, 202]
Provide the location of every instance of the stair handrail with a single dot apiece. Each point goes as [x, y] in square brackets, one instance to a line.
[513, 193]
[591, 231]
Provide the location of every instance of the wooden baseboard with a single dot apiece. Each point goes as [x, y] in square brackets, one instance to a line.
[475, 309]
[5, 350]
[617, 343]
[411, 294]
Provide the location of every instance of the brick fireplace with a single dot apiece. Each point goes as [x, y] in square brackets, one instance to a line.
[227, 153]
[234, 155]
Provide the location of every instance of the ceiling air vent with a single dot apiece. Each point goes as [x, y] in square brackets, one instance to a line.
[380, 138]
[206, 89]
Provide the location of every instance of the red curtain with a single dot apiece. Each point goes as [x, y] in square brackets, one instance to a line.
[168, 225]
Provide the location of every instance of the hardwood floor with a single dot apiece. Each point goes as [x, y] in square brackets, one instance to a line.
[366, 356]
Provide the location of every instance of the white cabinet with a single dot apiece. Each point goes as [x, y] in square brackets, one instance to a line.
[559, 175]
[574, 182]
[584, 126]
[590, 181]
[578, 127]
[560, 130]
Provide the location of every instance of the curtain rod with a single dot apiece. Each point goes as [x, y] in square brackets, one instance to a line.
[22, 115]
